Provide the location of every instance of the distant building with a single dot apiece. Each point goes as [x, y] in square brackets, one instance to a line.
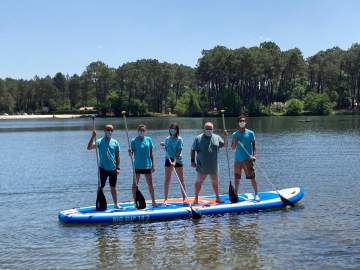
[86, 108]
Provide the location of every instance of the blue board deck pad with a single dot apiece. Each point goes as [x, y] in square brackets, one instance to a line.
[176, 209]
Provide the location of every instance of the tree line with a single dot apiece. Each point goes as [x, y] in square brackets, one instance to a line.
[256, 80]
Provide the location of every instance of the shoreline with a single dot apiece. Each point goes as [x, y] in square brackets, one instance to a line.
[157, 115]
[41, 116]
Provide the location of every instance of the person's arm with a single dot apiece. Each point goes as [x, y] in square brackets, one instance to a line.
[192, 154]
[234, 142]
[254, 150]
[132, 148]
[91, 144]
[225, 138]
[179, 150]
[117, 159]
[152, 159]
[194, 148]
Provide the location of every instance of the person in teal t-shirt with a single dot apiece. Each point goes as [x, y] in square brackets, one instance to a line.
[109, 154]
[144, 163]
[206, 147]
[173, 159]
[245, 154]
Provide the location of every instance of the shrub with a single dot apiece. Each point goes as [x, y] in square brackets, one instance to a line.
[318, 104]
[294, 107]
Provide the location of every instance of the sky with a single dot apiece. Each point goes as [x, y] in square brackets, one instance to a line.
[43, 37]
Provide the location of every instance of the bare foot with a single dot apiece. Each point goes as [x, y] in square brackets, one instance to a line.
[154, 204]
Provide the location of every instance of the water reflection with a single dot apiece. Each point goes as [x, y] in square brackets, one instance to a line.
[214, 242]
[108, 246]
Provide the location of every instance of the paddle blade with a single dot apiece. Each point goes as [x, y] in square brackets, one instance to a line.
[286, 201]
[101, 204]
[195, 214]
[233, 197]
[139, 199]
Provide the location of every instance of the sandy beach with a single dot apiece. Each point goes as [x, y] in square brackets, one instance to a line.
[40, 116]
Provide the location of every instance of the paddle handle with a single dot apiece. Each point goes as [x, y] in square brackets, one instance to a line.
[128, 140]
[226, 147]
[97, 154]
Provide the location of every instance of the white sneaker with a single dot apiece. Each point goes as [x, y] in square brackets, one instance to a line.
[257, 198]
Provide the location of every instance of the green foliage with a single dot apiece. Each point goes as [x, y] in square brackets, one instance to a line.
[255, 108]
[294, 107]
[138, 107]
[318, 104]
[230, 102]
[298, 91]
[171, 101]
[188, 104]
[251, 79]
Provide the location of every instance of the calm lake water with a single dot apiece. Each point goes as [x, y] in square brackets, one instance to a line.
[45, 168]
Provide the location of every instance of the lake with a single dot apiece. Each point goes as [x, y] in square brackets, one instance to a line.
[45, 168]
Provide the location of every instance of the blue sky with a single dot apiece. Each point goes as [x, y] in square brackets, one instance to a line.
[39, 37]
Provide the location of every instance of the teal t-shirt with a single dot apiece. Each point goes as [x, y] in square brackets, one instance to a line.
[207, 149]
[141, 149]
[245, 138]
[108, 149]
[172, 146]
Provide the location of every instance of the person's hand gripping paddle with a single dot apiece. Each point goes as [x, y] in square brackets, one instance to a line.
[139, 199]
[101, 204]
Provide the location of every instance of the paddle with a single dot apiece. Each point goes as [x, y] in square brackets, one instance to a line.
[140, 202]
[194, 214]
[283, 199]
[101, 204]
[233, 197]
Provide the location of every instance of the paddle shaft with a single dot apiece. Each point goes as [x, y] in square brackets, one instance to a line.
[97, 156]
[131, 157]
[196, 214]
[226, 148]
[260, 169]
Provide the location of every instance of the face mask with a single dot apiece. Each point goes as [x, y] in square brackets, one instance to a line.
[141, 133]
[172, 131]
[208, 132]
[108, 134]
[242, 124]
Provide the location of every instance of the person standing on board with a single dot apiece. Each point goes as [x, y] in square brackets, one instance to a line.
[245, 155]
[109, 153]
[173, 146]
[144, 163]
[206, 147]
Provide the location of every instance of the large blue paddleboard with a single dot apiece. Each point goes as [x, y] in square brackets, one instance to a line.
[175, 209]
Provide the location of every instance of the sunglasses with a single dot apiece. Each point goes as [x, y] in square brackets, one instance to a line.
[109, 129]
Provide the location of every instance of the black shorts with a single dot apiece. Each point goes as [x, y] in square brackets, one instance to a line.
[105, 174]
[143, 171]
[167, 163]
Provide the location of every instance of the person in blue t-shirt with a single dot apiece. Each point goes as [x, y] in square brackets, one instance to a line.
[245, 154]
[109, 154]
[173, 146]
[144, 163]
